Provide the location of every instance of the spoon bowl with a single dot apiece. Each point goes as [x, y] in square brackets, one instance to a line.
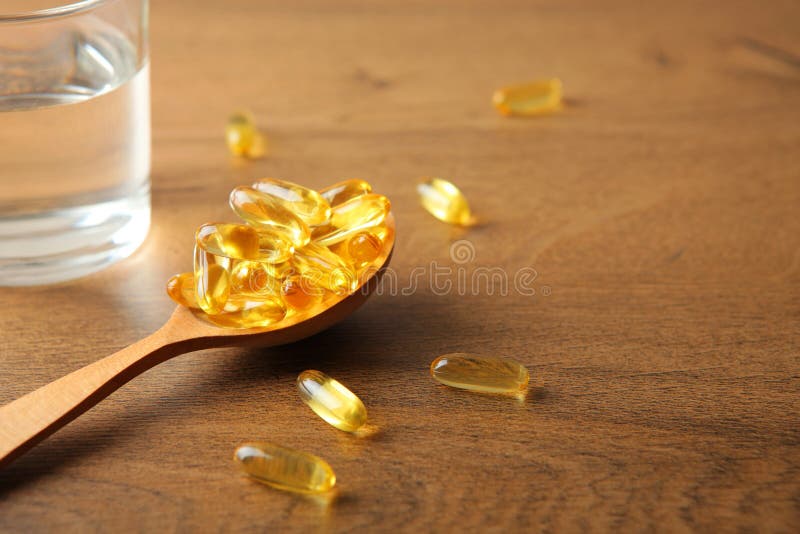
[33, 417]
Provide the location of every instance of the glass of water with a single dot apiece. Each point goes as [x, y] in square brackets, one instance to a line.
[74, 137]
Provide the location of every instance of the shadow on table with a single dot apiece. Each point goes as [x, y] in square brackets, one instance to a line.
[398, 333]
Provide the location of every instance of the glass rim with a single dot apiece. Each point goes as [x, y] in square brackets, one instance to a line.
[66, 9]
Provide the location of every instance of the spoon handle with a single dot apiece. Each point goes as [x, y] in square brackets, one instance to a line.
[30, 419]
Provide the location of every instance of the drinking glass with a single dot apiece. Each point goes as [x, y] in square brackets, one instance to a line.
[74, 137]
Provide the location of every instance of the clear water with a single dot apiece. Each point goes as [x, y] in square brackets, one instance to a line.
[74, 155]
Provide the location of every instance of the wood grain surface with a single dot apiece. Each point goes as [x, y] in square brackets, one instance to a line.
[659, 212]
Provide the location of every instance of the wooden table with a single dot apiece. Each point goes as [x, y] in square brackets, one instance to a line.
[658, 211]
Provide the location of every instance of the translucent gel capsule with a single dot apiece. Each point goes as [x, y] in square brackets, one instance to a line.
[269, 212]
[343, 191]
[529, 99]
[487, 374]
[279, 271]
[363, 248]
[351, 217]
[325, 269]
[445, 201]
[229, 285]
[244, 242]
[212, 282]
[180, 288]
[306, 203]
[243, 137]
[242, 311]
[284, 468]
[331, 401]
[253, 278]
[301, 294]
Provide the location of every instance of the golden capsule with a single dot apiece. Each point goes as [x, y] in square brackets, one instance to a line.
[325, 269]
[246, 311]
[343, 191]
[363, 248]
[331, 401]
[243, 137]
[253, 278]
[180, 288]
[284, 468]
[231, 240]
[300, 294]
[529, 99]
[244, 242]
[212, 282]
[279, 271]
[269, 212]
[444, 200]
[222, 250]
[351, 217]
[486, 374]
[306, 203]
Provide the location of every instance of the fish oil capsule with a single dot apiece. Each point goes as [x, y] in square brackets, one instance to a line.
[351, 217]
[180, 288]
[445, 201]
[306, 203]
[301, 294]
[331, 400]
[486, 374]
[211, 279]
[243, 137]
[269, 213]
[225, 255]
[284, 468]
[253, 278]
[325, 269]
[244, 242]
[343, 191]
[363, 248]
[529, 99]
[245, 311]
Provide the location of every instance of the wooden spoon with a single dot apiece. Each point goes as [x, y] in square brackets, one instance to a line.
[30, 419]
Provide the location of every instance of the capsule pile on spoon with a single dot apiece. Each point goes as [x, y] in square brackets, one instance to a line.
[296, 251]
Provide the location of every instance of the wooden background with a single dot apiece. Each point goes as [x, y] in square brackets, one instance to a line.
[660, 211]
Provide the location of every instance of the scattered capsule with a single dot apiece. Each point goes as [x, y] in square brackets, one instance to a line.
[530, 99]
[486, 374]
[343, 191]
[300, 294]
[243, 137]
[284, 468]
[445, 201]
[268, 212]
[331, 401]
[325, 269]
[306, 203]
[363, 248]
[180, 288]
[351, 217]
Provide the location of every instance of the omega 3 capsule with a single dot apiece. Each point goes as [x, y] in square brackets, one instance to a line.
[284, 468]
[306, 203]
[535, 98]
[331, 401]
[487, 374]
